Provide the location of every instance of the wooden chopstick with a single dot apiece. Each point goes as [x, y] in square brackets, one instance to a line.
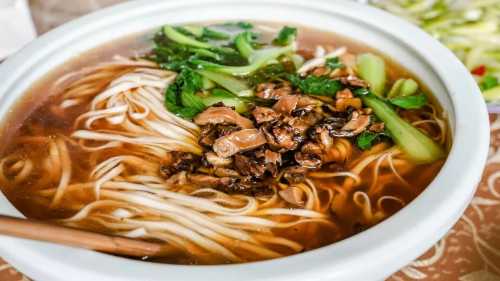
[49, 232]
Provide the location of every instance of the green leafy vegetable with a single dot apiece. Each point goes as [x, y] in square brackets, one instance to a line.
[240, 24]
[228, 99]
[181, 98]
[243, 42]
[244, 25]
[333, 63]
[361, 91]
[372, 69]
[172, 55]
[208, 84]
[270, 73]
[209, 33]
[203, 63]
[489, 82]
[203, 33]
[286, 36]
[417, 146]
[257, 59]
[172, 58]
[316, 85]
[234, 85]
[196, 31]
[366, 139]
[403, 87]
[409, 102]
[180, 38]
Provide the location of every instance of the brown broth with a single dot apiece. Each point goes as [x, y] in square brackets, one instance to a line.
[33, 116]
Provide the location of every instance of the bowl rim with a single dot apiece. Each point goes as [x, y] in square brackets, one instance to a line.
[471, 128]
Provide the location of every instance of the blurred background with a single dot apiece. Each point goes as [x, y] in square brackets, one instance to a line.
[470, 28]
[48, 14]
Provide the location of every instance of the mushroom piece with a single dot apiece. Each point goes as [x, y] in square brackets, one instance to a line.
[286, 105]
[284, 137]
[293, 195]
[340, 127]
[343, 104]
[249, 166]
[295, 174]
[308, 102]
[238, 141]
[308, 160]
[217, 161]
[357, 124]
[211, 132]
[319, 61]
[225, 172]
[334, 127]
[377, 127]
[265, 90]
[209, 181]
[303, 122]
[222, 114]
[349, 60]
[271, 157]
[344, 94]
[273, 91]
[354, 81]
[176, 161]
[264, 114]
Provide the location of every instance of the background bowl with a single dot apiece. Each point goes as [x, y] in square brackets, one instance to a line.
[370, 255]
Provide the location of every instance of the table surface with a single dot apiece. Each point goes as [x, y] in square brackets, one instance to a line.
[469, 252]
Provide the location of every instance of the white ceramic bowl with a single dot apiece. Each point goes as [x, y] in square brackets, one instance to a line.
[370, 255]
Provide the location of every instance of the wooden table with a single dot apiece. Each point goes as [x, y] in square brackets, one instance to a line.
[469, 252]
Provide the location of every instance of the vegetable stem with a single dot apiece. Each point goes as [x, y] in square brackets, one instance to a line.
[403, 88]
[257, 59]
[243, 44]
[372, 69]
[180, 38]
[417, 146]
[232, 84]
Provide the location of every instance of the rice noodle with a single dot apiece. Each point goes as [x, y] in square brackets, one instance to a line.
[65, 171]
[132, 102]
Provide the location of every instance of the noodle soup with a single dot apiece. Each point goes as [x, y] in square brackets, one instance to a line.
[230, 143]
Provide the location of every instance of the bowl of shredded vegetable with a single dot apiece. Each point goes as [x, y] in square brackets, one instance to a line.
[469, 28]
